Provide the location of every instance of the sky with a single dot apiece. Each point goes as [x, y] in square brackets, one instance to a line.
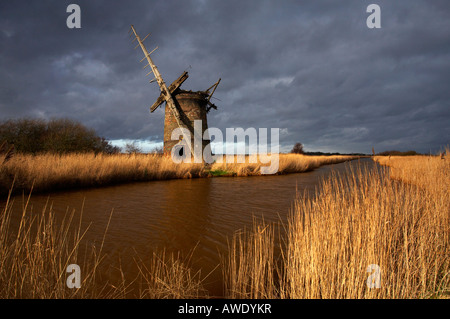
[311, 68]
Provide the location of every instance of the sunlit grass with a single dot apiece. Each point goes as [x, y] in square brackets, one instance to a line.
[366, 218]
[49, 172]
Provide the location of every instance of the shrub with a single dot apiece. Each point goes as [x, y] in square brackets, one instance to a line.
[55, 136]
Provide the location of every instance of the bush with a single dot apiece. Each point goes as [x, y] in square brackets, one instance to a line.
[55, 136]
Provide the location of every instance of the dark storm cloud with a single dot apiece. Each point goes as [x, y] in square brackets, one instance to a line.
[311, 68]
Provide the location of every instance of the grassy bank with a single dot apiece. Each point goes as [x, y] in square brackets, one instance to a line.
[50, 172]
[400, 224]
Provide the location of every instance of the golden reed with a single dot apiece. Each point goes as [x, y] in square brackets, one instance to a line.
[49, 172]
[400, 224]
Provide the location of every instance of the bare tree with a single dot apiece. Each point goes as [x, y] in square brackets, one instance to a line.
[132, 148]
[298, 149]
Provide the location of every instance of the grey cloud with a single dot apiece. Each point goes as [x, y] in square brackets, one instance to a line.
[311, 67]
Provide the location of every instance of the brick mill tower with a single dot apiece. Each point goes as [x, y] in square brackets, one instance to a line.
[182, 107]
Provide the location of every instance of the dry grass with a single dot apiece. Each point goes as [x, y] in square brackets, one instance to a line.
[250, 269]
[424, 171]
[288, 164]
[50, 172]
[363, 219]
[169, 277]
[34, 257]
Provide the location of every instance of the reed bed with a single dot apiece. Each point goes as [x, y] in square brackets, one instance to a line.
[250, 269]
[424, 171]
[353, 222]
[49, 172]
[169, 277]
[288, 164]
[34, 257]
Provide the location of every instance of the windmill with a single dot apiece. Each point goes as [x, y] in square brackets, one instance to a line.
[182, 107]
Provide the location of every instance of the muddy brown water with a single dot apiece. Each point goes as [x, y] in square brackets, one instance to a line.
[194, 217]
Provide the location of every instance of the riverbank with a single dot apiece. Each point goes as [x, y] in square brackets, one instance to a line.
[389, 224]
[358, 223]
[50, 172]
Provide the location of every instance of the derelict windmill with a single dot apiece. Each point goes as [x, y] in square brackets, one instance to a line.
[182, 107]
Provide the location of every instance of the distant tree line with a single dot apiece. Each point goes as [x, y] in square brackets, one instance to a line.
[336, 153]
[298, 149]
[398, 153]
[55, 136]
